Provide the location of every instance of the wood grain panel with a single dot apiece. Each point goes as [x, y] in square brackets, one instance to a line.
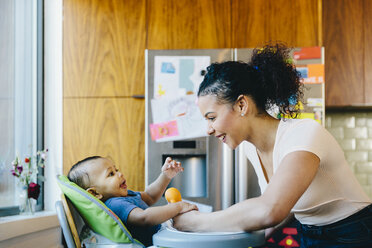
[189, 24]
[295, 22]
[343, 42]
[368, 51]
[106, 127]
[103, 47]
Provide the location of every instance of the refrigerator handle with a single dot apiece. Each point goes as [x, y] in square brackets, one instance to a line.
[227, 177]
[241, 174]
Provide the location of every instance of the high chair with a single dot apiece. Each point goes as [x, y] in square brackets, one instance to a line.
[67, 223]
[107, 230]
[103, 228]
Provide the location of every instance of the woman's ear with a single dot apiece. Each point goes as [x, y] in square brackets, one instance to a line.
[241, 105]
[93, 191]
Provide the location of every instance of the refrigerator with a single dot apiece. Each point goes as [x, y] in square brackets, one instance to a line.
[214, 175]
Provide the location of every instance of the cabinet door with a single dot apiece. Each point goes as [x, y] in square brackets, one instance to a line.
[297, 23]
[103, 64]
[368, 51]
[189, 24]
[344, 52]
[108, 127]
[103, 47]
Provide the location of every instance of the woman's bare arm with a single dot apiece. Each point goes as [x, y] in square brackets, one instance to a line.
[290, 181]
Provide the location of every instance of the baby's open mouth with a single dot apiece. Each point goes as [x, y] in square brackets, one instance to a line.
[123, 185]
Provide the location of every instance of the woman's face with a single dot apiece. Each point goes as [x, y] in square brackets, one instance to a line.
[222, 120]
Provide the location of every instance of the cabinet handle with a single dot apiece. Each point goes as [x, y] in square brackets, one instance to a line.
[138, 96]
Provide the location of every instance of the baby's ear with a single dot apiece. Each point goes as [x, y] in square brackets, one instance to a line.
[93, 191]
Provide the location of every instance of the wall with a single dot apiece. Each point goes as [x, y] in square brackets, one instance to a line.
[50, 238]
[39, 230]
[353, 131]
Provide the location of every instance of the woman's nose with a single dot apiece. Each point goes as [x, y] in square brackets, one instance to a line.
[210, 130]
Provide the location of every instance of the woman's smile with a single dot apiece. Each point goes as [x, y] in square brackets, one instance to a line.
[222, 137]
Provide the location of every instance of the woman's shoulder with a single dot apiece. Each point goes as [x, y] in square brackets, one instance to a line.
[299, 122]
[303, 134]
[300, 126]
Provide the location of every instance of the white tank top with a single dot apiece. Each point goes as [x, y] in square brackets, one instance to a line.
[334, 193]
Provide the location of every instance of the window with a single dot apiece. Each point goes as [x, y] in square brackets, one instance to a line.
[21, 92]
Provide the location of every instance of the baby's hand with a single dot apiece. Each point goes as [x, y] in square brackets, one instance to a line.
[186, 207]
[171, 168]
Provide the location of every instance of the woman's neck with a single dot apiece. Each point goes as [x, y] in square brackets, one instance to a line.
[263, 133]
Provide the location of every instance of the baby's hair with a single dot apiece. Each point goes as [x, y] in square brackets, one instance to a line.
[79, 175]
[270, 78]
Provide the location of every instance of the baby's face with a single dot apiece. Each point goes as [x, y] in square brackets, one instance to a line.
[106, 179]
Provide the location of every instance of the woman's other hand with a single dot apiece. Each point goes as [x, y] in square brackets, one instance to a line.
[184, 222]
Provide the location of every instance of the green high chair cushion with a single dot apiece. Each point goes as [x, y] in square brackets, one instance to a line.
[95, 213]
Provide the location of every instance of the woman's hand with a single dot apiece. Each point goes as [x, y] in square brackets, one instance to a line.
[186, 207]
[171, 168]
[185, 222]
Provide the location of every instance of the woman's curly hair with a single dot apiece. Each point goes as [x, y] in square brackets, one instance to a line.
[270, 78]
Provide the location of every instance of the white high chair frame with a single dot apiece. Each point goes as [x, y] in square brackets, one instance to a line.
[71, 224]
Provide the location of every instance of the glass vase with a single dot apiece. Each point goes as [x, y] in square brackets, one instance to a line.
[26, 206]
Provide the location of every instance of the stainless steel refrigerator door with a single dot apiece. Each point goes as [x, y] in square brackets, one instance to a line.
[218, 160]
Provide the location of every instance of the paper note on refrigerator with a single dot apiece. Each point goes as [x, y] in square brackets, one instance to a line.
[308, 53]
[178, 75]
[176, 82]
[184, 111]
[163, 130]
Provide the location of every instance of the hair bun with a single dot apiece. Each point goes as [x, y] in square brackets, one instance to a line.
[278, 78]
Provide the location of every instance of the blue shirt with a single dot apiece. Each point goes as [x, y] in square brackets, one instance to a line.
[122, 206]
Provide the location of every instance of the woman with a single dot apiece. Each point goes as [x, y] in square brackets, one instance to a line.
[301, 168]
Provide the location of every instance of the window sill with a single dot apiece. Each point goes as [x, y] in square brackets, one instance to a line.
[18, 225]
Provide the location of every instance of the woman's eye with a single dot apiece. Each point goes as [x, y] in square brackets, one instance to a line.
[111, 173]
[211, 118]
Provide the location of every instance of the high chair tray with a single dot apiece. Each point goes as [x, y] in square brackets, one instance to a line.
[177, 239]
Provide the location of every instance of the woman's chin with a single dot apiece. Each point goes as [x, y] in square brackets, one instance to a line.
[231, 146]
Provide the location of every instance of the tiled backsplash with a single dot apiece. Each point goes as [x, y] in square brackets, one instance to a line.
[353, 131]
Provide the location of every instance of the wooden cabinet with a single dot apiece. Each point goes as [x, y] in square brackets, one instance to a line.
[103, 66]
[110, 127]
[348, 53]
[103, 48]
[344, 52]
[297, 23]
[188, 24]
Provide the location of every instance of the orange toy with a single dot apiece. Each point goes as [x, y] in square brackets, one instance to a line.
[173, 195]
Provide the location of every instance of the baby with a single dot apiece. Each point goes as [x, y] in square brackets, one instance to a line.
[100, 177]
